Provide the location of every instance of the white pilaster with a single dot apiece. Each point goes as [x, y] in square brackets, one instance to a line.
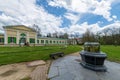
[18, 37]
[5, 37]
[28, 37]
[36, 39]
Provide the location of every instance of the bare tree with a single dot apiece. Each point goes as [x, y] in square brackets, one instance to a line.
[111, 36]
[88, 36]
[65, 36]
[49, 35]
[55, 35]
[37, 28]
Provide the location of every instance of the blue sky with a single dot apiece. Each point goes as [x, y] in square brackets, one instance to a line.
[71, 16]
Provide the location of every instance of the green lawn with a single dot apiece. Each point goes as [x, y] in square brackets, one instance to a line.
[113, 53]
[10, 55]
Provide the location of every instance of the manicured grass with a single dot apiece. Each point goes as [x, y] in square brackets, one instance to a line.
[113, 52]
[10, 55]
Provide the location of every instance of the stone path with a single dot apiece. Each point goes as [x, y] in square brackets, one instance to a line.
[40, 72]
[69, 68]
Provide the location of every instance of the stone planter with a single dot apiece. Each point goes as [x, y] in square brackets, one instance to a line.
[92, 58]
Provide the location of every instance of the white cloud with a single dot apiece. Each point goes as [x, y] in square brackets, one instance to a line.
[86, 6]
[83, 27]
[103, 8]
[26, 12]
[114, 17]
[73, 18]
[93, 27]
[60, 3]
[114, 25]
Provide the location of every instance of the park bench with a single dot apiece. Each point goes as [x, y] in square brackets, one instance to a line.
[55, 55]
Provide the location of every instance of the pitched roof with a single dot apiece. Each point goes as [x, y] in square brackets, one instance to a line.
[13, 26]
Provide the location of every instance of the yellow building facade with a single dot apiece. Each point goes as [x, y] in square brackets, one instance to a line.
[52, 41]
[19, 34]
[1, 39]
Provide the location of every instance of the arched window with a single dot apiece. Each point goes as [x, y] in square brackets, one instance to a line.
[50, 41]
[23, 35]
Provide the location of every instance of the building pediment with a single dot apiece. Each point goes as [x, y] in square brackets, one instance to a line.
[19, 27]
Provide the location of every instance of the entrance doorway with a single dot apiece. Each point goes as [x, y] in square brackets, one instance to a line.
[22, 40]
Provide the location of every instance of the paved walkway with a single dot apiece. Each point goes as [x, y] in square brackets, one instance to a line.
[69, 68]
[40, 72]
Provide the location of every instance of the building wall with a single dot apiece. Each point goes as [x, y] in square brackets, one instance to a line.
[72, 42]
[15, 34]
[1, 39]
[52, 41]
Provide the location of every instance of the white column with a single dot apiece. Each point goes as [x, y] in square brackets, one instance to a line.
[5, 38]
[27, 37]
[18, 37]
[44, 41]
[36, 39]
